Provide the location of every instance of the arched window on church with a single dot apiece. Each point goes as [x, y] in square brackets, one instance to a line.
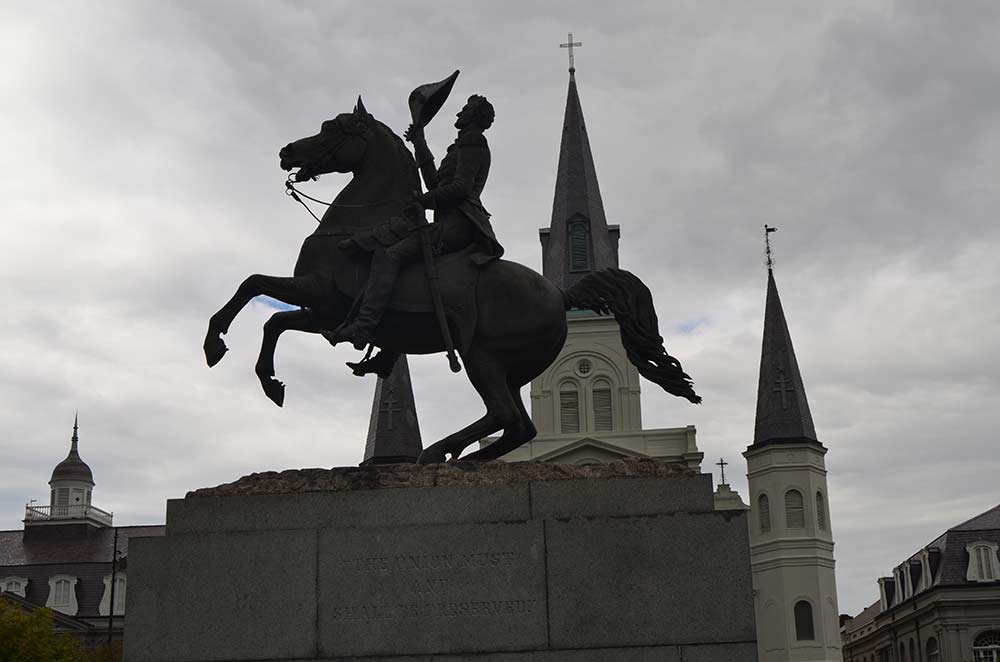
[820, 511]
[579, 246]
[603, 416]
[933, 653]
[804, 630]
[986, 647]
[795, 517]
[569, 407]
[902, 651]
[764, 510]
[913, 652]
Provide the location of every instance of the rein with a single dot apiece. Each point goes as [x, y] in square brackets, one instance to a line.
[295, 194]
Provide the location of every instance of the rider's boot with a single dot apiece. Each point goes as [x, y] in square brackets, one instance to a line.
[381, 364]
[361, 330]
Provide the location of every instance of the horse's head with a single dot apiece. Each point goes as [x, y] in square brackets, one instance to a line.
[339, 146]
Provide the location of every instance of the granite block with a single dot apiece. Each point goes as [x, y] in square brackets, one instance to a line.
[662, 579]
[611, 497]
[741, 652]
[224, 596]
[386, 507]
[432, 589]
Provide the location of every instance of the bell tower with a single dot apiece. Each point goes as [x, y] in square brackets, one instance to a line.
[791, 537]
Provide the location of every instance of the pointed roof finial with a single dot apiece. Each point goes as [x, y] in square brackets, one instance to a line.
[73, 468]
[76, 437]
[570, 44]
[767, 243]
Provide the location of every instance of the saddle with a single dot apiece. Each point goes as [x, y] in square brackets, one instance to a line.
[458, 281]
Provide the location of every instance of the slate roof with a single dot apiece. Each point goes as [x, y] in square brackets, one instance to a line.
[577, 197]
[86, 557]
[782, 408]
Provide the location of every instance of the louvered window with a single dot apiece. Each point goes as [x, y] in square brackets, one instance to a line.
[795, 517]
[804, 630]
[62, 496]
[820, 511]
[603, 416]
[579, 247]
[569, 408]
[764, 510]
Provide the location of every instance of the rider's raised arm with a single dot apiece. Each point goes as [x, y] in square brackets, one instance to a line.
[472, 154]
[423, 156]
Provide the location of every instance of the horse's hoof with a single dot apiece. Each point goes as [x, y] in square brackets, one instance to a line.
[215, 349]
[274, 390]
[431, 456]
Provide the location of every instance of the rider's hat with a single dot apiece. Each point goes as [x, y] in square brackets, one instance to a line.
[427, 99]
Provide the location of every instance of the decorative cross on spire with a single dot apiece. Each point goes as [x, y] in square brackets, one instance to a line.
[722, 464]
[570, 44]
[767, 243]
[390, 406]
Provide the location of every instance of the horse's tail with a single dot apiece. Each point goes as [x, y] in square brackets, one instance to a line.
[622, 294]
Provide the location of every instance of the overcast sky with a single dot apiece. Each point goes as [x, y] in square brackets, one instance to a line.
[139, 184]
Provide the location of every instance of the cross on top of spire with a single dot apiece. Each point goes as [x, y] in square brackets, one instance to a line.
[767, 243]
[570, 44]
[722, 464]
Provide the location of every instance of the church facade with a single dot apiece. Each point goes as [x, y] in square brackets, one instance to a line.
[586, 407]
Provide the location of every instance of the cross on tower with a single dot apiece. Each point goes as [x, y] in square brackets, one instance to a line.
[783, 385]
[389, 406]
[570, 44]
[767, 243]
[722, 464]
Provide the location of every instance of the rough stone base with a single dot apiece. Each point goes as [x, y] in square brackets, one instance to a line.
[520, 562]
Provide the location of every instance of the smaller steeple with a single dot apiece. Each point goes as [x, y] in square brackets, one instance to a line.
[783, 414]
[73, 468]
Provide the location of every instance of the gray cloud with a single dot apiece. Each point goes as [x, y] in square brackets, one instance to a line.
[140, 185]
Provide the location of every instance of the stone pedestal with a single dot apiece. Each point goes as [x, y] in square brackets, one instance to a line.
[518, 562]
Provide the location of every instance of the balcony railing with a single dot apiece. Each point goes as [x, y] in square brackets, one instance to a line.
[33, 513]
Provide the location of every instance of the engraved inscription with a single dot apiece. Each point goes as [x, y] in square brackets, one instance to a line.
[434, 609]
[412, 562]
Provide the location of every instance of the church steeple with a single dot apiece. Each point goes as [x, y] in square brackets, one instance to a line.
[782, 409]
[579, 239]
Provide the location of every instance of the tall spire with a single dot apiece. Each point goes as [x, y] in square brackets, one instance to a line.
[782, 409]
[73, 468]
[579, 239]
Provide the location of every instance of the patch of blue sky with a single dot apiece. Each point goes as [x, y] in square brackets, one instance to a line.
[690, 326]
[274, 303]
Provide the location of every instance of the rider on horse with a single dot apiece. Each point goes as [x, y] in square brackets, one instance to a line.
[460, 220]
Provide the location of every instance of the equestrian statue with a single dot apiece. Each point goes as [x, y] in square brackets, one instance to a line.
[376, 274]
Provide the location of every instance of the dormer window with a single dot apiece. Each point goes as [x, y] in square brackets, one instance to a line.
[15, 585]
[983, 563]
[102, 609]
[62, 594]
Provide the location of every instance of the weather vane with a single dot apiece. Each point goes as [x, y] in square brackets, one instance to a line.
[767, 243]
[570, 44]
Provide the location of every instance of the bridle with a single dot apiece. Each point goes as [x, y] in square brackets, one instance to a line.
[297, 195]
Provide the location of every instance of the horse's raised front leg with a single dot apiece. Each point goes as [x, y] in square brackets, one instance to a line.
[296, 291]
[290, 320]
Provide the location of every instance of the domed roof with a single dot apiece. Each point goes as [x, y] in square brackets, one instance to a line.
[73, 468]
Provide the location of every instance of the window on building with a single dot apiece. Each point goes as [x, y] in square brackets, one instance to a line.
[795, 516]
[603, 419]
[913, 652]
[986, 647]
[579, 246]
[62, 496]
[764, 509]
[902, 652]
[15, 585]
[820, 511]
[804, 630]
[62, 594]
[569, 408]
[983, 564]
[933, 654]
[119, 595]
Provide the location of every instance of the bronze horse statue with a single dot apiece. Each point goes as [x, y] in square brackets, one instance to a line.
[509, 322]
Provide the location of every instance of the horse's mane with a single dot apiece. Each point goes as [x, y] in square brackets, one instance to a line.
[405, 153]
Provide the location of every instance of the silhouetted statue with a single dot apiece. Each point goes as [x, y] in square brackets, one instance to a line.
[358, 276]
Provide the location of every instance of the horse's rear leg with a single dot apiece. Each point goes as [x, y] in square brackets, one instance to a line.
[296, 291]
[489, 377]
[513, 436]
[289, 320]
